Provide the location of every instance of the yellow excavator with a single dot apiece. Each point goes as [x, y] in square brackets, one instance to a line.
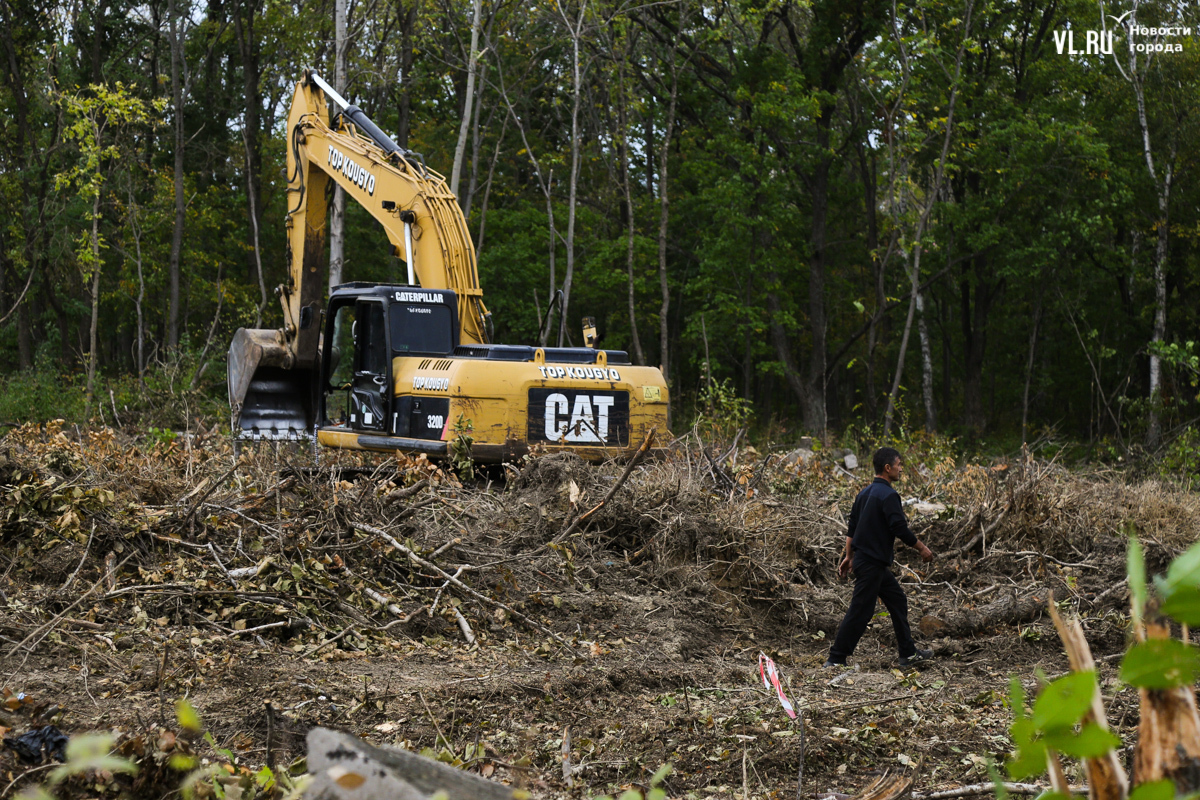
[411, 367]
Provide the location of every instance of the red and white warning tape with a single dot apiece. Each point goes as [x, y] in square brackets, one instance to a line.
[770, 677]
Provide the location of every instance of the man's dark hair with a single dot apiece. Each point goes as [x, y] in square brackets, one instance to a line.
[884, 456]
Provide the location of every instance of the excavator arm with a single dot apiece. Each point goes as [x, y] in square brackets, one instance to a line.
[273, 374]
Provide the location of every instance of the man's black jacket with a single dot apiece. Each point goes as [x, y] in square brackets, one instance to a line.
[875, 521]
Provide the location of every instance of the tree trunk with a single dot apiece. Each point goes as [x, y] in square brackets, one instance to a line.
[1154, 428]
[1162, 187]
[871, 212]
[487, 187]
[476, 150]
[251, 71]
[576, 155]
[408, 23]
[974, 326]
[24, 336]
[783, 350]
[173, 300]
[469, 99]
[95, 320]
[663, 221]
[544, 333]
[913, 277]
[814, 411]
[648, 148]
[138, 304]
[26, 145]
[1033, 336]
[623, 122]
[926, 365]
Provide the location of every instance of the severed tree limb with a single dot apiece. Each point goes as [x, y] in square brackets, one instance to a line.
[383, 601]
[886, 787]
[1168, 732]
[1106, 777]
[985, 531]
[1058, 778]
[566, 758]
[212, 488]
[988, 788]
[86, 549]
[313, 650]
[1095, 601]
[408, 491]
[465, 627]
[633, 462]
[420, 562]
[280, 624]
[445, 547]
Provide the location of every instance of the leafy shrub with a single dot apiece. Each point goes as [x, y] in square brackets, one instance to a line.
[721, 412]
[1182, 456]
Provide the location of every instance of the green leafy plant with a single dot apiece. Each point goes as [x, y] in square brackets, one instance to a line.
[1182, 455]
[459, 449]
[225, 778]
[1057, 722]
[86, 753]
[1059, 707]
[722, 412]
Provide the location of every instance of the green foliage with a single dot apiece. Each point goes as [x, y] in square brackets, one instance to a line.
[161, 401]
[1059, 707]
[186, 715]
[1181, 458]
[459, 449]
[1179, 591]
[721, 412]
[1161, 664]
[42, 394]
[1181, 357]
[1154, 790]
[85, 753]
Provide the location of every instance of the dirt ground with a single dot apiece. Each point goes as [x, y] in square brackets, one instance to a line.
[277, 596]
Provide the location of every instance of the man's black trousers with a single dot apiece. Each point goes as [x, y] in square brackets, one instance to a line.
[873, 581]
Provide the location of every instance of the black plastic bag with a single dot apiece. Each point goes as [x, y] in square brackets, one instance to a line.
[34, 746]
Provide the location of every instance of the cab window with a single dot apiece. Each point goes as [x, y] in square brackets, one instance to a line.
[421, 328]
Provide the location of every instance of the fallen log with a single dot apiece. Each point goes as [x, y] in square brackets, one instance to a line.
[1007, 610]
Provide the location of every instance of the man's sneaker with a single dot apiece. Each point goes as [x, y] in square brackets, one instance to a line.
[830, 664]
[917, 658]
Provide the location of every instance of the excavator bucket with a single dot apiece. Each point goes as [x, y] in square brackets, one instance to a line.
[268, 399]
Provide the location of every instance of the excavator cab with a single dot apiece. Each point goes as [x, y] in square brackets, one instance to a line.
[367, 325]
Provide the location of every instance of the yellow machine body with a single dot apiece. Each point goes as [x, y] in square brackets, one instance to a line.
[489, 400]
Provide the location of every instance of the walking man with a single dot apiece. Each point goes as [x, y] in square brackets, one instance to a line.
[875, 521]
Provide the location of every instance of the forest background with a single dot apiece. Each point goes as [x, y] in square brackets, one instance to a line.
[821, 217]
